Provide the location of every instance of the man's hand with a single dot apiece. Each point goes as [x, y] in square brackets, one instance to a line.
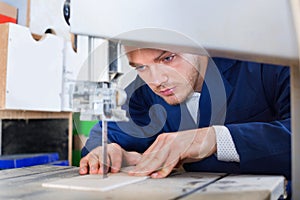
[171, 149]
[116, 157]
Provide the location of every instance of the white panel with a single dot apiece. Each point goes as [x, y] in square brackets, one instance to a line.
[34, 71]
[48, 15]
[253, 28]
[77, 62]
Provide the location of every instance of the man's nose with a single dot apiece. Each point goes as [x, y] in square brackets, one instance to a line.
[158, 75]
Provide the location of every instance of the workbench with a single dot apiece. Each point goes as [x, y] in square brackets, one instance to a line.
[26, 183]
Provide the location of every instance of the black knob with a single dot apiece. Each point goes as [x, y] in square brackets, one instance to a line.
[66, 11]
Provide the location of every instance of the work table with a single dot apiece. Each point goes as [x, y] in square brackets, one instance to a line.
[26, 183]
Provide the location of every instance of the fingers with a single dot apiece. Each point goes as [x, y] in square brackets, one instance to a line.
[151, 165]
[159, 159]
[116, 158]
[83, 166]
[93, 159]
[148, 164]
[167, 151]
[104, 166]
[121, 158]
[92, 163]
[169, 165]
[89, 163]
[154, 158]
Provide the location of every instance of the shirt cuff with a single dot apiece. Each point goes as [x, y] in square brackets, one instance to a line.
[226, 150]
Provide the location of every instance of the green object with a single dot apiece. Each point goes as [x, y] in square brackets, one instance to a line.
[80, 128]
[76, 155]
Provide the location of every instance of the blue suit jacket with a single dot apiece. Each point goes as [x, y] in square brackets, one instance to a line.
[251, 99]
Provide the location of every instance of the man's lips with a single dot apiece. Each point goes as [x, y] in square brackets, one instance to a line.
[167, 92]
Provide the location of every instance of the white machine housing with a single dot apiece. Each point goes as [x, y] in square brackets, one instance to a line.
[261, 31]
[252, 30]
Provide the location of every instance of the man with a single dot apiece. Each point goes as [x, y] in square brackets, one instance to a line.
[215, 115]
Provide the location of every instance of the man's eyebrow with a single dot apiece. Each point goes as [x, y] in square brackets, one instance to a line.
[159, 57]
[135, 64]
[155, 60]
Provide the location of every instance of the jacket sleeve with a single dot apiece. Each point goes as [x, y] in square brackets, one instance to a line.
[265, 147]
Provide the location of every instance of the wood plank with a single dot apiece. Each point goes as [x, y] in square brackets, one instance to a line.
[177, 184]
[247, 187]
[25, 114]
[29, 186]
[30, 171]
[95, 182]
[28, 10]
[3, 62]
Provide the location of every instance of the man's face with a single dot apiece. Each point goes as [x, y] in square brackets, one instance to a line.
[171, 76]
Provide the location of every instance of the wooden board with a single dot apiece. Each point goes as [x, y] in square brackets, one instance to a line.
[250, 186]
[24, 114]
[3, 62]
[95, 182]
[26, 183]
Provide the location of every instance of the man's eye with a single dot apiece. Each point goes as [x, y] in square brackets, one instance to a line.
[169, 58]
[140, 68]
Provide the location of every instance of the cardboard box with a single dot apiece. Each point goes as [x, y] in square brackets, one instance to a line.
[8, 13]
[23, 10]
